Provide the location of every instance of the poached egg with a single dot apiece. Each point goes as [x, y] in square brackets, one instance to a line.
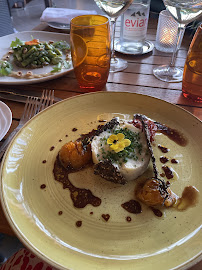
[133, 160]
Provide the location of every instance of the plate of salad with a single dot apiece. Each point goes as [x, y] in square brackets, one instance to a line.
[32, 57]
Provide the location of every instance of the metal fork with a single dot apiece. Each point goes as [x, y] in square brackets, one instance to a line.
[33, 106]
[47, 99]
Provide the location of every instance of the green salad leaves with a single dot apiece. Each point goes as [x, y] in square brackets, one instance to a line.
[64, 64]
[62, 45]
[16, 43]
[5, 68]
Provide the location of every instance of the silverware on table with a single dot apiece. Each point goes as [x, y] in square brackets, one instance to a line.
[20, 95]
[33, 106]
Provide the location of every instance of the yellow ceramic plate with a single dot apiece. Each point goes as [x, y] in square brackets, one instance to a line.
[170, 242]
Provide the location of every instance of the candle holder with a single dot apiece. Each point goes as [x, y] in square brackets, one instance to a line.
[167, 31]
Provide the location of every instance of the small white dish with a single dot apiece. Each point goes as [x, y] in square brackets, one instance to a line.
[61, 26]
[147, 47]
[5, 119]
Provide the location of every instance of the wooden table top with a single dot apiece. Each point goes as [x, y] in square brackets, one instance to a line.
[137, 78]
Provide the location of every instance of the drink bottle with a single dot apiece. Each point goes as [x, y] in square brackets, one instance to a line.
[134, 23]
[192, 75]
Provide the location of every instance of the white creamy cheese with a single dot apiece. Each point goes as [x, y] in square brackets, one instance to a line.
[132, 167]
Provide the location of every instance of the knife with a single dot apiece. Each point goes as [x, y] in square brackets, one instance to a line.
[20, 96]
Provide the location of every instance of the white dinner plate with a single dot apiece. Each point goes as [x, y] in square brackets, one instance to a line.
[26, 36]
[5, 119]
[41, 212]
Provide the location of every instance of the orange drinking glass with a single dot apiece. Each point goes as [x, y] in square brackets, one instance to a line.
[192, 76]
[90, 50]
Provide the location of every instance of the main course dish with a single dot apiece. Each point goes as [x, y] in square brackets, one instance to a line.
[120, 151]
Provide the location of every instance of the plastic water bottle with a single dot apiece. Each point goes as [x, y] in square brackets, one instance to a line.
[134, 24]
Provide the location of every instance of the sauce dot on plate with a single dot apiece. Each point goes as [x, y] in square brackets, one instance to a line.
[168, 172]
[128, 219]
[163, 159]
[163, 148]
[78, 223]
[174, 161]
[106, 217]
[157, 212]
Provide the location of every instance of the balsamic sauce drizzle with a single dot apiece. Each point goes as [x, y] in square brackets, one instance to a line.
[80, 196]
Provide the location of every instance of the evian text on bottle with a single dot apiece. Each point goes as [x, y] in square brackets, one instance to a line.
[135, 22]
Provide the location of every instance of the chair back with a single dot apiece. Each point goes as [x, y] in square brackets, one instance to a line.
[6, 26]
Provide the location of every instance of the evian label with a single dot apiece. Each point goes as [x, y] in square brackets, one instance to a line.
[135, 21]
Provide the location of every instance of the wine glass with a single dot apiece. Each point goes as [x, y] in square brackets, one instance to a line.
[114, 8]
[184, 12]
